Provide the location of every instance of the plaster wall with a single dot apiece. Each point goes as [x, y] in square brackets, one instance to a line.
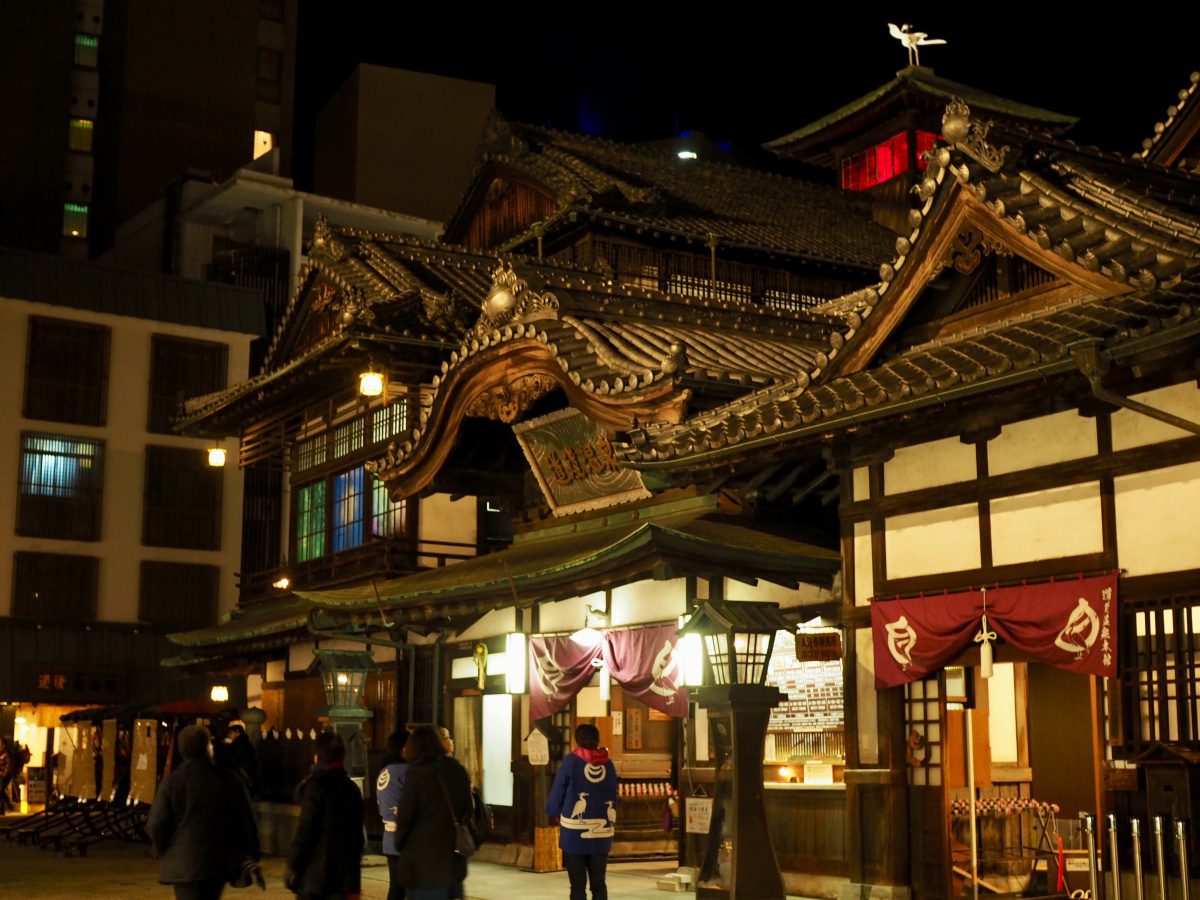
[1047, 524]
[864, 581]
[648, 601]
[769, 592]
[1131, 429]
[929, 465]
[1158, 519]
[1041, 442]
[125, 440]
[443, 520]
[567, 615]
[493, 624]
[867, 707]
[938, 540]
[1002, 714]
[862, 483]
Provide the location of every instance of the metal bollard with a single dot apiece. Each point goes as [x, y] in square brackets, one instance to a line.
[1114, 861]
[1181, 845]
[1160, 858]
[1139, 883]
[1089, 832]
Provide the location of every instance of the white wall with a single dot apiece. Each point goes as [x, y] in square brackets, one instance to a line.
[1041, 442]
[864, 580]
[1131, 429]
[443, 519]
[125, 439]
[938, 540]
[648, 601]
[1047, 524]
[1158, 520]
[929, 465]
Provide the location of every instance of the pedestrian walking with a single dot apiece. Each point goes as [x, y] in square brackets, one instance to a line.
[584, 801]
[6, 773]
[435, 800]
[201, 824]
[388, 788]
[236, 753]
[325, 859]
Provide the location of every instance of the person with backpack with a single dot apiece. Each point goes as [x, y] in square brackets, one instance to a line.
[434, 811]
[583, 800]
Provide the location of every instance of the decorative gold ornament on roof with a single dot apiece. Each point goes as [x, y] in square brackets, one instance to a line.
[970, 136]
[511, 300]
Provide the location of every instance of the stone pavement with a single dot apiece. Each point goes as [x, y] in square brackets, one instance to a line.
[118, 871]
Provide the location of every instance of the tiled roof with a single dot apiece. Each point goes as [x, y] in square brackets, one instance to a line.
[1046, 190]
[1187, 98]
[652, 189]
[922, 81]
[1017, 352]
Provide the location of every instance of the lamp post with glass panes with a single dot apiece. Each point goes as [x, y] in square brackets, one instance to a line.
[739, 862]
[344, 676]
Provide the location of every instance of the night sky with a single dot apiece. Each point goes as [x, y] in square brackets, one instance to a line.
[643, 71]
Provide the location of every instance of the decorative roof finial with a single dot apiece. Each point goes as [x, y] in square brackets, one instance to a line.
[912, 41]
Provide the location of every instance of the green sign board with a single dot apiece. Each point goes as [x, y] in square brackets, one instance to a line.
[575, 464]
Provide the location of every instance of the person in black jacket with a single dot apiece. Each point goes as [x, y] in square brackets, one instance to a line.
[325, 859]
[437, 791]
[202, 825]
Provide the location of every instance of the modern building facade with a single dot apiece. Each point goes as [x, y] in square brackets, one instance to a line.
[116, 99]
[121, 530]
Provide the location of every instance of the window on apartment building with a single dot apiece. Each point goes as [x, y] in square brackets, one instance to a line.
[60, 487]
[79, 135]
[87, 50]
[181, 368]
[182, 499]
[178, 596]
[270, 74]
[75, 220]
[883, 161]
[1160, 673]
[66, 371]
[55, 586]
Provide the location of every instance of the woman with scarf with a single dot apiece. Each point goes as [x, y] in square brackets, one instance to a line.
[584, 801]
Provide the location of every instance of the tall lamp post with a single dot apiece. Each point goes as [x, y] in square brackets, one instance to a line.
[344, 676]
[739, 862]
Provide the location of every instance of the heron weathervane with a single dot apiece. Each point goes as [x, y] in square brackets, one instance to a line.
[912, 41]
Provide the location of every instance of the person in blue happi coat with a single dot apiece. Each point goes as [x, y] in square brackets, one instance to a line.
[584, 801]
[388, 788]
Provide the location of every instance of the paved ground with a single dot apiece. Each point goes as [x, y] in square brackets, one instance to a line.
[117, 871]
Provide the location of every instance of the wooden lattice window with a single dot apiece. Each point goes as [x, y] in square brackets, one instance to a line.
[1160, 678]
[883, 161]
[179, 369]
[60, 487]
[55, 586]
[66, 371]
[182, 499]
[924, 731]
[178, 596]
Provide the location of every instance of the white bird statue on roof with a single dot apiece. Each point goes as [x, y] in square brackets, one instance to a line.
[912, 40]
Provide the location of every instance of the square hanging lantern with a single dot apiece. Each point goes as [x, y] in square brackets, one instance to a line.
[738, 639]
[343, 675]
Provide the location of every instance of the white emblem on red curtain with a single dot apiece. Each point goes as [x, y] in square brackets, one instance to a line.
[901, 641]
[1081, 630]
[644, 663]
[664, 664]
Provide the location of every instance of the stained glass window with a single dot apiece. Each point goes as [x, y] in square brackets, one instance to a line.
[348, 508]
[310, 521]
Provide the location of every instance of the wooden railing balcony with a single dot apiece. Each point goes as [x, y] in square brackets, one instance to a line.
[377, 559]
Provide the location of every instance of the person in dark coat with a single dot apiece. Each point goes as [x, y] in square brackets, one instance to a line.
[202, 825]
[388, 788]
[584, 800]
[237, 754]
[325, 859]
[6, 773]
[437, 791]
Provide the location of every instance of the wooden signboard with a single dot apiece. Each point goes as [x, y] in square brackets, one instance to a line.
[108, 751]
[539, 748]
[143, 779]
[697, 815]
[575, 464]
[818, 646]
[633, 729]
[36, 785]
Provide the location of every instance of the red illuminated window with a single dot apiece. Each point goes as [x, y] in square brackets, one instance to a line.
[884, 161]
